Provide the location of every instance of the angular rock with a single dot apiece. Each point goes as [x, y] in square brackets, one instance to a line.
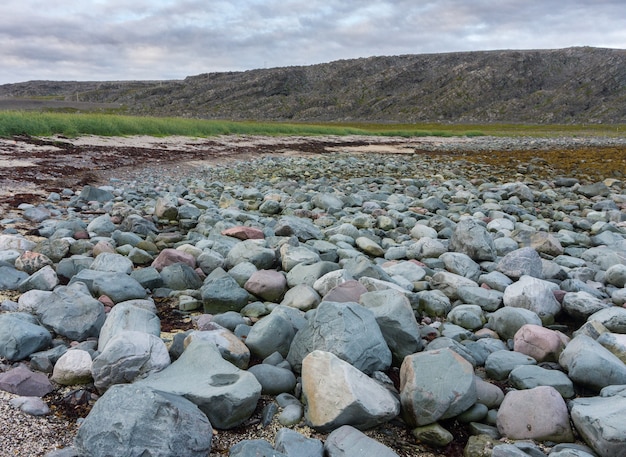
[111, 262]
[293, 444]
[396, 321]
[127, 356]
[21, 381]
[145, 422]
[273, 333]
[338, 394]
[521, 262]
[539, 414]
[473, 239]
[253, 251]
[72, 312]
[450, 283]
[613, 318]
[535, 295]
[30, 262]
[530, 376]
[226, 394]
[435, 385]
[540, 343]
[347, 330]
[600, 421]
[301, 228]
[171, 256]
[220, 293]
[126, 316]
[20, 336]
[230, 346]
[180, 276]
[591, 365]
[302, 297]
[243, 232]
[348, 441]
[581, 305]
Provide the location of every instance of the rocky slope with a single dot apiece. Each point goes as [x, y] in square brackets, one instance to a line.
[574, 85]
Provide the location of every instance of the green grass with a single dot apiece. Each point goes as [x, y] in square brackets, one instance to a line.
[75, 124]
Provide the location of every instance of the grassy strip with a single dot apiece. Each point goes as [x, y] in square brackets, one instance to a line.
[73, 124]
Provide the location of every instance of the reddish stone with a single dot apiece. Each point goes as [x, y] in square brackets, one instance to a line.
[171, 256]
[22, 381]
[244, 233]
[269, 285]
[349, 291]
[31, 262]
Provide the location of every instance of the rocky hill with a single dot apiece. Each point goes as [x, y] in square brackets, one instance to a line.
[573, 85]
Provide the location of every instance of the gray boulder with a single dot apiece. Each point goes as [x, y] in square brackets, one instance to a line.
[273, 333]
[294, 444]
[348, 441]
[180, 276]
[613, 318]
[535, 295]
[450, 283]
[127, 356]
[308, 274]
[72, 312]
[230, 346]
[112, 262]
[254, 448]
[436, 385]
[134, 420]
[473, 239]
[521, 262]
[226, 394]
[489, 300]
[461, 264]
[396, 320]
[274, 380]
[126, 316]
[303, 229]
[338, 394]
[349, 331]
[10, 278]
[590, 364]
[531, 376]
[499, 364]
[600, 421]
[253, 251]
[508, 320]
[20, 336]
[581, 305]
[220, 293]
[44, 279]
[118, 287]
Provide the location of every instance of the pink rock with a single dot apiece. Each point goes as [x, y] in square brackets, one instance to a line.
[540, 343]
[106, 301]
[349, 291]
[269, 285]
[537, 414]
[22, 381]
[31, 262]
[171, 256]
[102, 246]
[244, 233]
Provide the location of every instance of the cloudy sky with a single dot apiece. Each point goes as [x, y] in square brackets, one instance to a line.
[170, 39]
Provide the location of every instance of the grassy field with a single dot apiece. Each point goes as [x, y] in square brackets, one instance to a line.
[76, 124]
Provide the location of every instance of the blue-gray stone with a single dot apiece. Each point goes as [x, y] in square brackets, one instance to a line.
[20, 336]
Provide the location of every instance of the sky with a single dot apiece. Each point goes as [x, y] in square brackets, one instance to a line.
[104, 40]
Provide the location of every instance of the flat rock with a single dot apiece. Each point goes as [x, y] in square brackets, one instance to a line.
[348, 441]
[531, 376]
[22, 381]
[126, 316]
[500, 363]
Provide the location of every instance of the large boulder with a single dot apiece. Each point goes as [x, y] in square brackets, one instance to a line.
[127, 356]
[434, 385]
[273, 333]
[72, 312]
[347, 330]
[20, 336]
[127, 316]
[473, 239]
[135, 420]
[338, 394]
[396, 320]
[348, 441]
[600, 421]
[535, 295]
[591, 365]
[220, 293]
[539, 414]
[226, 394]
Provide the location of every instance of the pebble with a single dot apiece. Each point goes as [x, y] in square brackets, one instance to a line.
[379, 262]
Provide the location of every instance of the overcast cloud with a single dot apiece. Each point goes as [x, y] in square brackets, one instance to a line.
[170, 39]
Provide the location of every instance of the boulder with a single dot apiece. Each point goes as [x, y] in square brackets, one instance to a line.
[134, 420]
[540, 343]
[22, 381]
[349, 331]
[531, 376]
[538, 414]
[20, 336]
[127, 356]
[508, 320]
[230, 346]
[338, 394]
[348, 441]
[273, 333]
[274, 380]
[535, 295]
[591, 365]
[600, 422]
[294, 444]
[220, 293]
[521, 262]
[269, 285]
[396, 320]
[473, 239]
[500, 363]
[226, 394]
[126, 316]
[73, 367]
[435, 385]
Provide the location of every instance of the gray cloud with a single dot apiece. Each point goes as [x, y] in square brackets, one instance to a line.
[163, 39]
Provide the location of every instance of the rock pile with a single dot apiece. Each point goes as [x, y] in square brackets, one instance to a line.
[354, 290]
